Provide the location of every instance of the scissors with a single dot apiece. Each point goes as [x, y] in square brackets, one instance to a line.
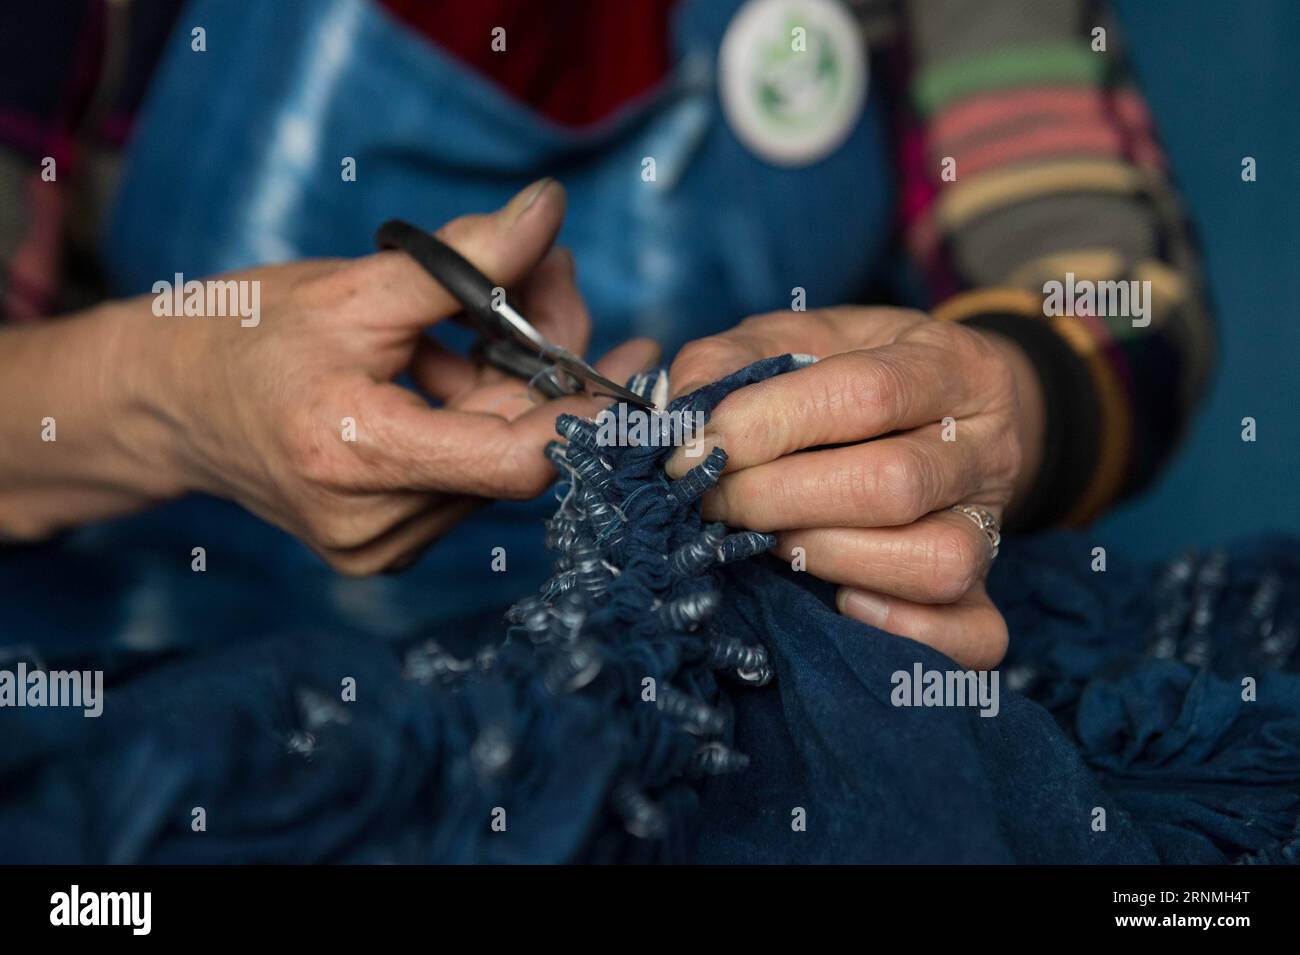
[506, 339]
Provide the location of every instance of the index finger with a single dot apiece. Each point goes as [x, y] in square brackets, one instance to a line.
[412, 446]
[852, 396]
[825, 331]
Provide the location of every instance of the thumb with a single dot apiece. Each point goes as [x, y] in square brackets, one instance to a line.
[390, 290]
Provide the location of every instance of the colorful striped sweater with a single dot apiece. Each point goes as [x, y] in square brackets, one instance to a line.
[1030, 159]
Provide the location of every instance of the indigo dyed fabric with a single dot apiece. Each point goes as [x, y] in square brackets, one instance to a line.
[1116, 694]
[673, 694]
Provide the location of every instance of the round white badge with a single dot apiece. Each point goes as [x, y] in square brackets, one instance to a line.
[792, 78]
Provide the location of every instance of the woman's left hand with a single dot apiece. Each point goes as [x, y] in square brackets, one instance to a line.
[909, 417]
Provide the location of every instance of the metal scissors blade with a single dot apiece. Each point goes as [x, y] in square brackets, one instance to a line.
[597, 383]
[495, 318]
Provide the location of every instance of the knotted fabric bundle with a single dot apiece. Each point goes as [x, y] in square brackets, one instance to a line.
[578, 729]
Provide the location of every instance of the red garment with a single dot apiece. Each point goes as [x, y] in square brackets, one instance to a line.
[574, 61]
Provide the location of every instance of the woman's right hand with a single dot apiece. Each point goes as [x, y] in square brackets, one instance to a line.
[296, 415]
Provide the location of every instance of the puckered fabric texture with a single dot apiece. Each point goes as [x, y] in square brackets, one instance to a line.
[1122, 692]
[671, 694]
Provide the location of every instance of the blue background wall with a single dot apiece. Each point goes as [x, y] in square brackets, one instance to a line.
[1223, 81]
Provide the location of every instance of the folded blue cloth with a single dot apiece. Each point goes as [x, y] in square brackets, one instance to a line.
[1092, 716]
[1144, 714]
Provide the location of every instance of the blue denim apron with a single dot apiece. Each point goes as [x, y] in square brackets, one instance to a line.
[237, 162]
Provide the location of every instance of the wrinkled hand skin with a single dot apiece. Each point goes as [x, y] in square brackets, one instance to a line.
[868, 509]
[256, 414]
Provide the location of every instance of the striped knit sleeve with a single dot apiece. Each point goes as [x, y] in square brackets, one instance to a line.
[1037, 200]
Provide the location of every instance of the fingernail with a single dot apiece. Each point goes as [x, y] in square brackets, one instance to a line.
[691, 453]
[524, 199]
[863, 605]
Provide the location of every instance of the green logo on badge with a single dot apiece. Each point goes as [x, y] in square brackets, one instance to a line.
[792, 78]
[797, 83]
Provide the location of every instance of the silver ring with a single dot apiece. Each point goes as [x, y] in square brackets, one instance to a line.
[985, 521]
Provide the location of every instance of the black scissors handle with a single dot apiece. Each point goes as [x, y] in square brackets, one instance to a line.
[457, 274]
[510, 342]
